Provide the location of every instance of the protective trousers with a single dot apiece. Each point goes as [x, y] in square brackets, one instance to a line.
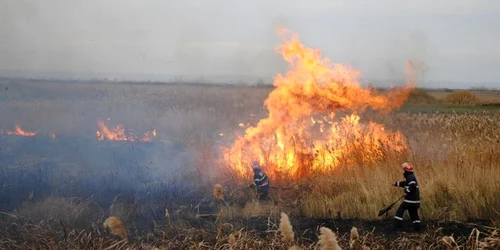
[412, 210]
[263, 193]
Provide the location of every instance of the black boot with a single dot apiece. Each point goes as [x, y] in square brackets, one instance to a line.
[398, 224]
[417, 226]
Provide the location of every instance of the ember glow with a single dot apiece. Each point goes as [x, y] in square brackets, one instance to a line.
[315, 120]
[149, 135]
[119, 134]
[18, 131]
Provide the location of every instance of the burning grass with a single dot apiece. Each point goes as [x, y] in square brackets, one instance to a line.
[456, 160]
[119, 134]
[455, 155]
[313, 122]
[116, 134]
[18, 131]
[446, 149]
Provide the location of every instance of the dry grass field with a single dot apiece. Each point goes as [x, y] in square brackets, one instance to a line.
[484, 96]
[71, 179]
[455, 154]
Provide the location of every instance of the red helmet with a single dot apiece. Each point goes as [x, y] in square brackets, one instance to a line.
[407, 167]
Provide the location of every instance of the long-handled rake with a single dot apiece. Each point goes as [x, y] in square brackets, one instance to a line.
[385, 210]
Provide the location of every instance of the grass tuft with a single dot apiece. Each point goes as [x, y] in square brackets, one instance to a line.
[286, 229]
[218, 192]
[353, 237]
[328, 240]
[461, 97]
[116, 226]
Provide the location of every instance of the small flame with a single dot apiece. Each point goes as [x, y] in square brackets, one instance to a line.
[18, 131]
[148, 136]
[118, 134]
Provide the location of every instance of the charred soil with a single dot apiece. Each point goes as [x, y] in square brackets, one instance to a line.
[256, 232]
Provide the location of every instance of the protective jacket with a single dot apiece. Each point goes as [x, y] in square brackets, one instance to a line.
[260, 179]
[410, 185]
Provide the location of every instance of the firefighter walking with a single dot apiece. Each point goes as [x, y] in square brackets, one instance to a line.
[411, 200]
[260, 181]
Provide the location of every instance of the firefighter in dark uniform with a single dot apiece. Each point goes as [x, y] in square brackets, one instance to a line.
[411, 200]
[260, 181]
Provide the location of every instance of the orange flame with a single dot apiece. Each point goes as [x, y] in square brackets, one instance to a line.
[302, 132]
[149, 135]
[118, 134]
[18, 131]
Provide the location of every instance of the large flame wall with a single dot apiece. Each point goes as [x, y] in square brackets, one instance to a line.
[314, 121]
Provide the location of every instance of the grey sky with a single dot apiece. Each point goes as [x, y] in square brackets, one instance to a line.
[457, 39]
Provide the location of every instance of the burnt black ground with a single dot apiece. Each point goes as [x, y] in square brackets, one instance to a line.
[380, 227]
[308, 228]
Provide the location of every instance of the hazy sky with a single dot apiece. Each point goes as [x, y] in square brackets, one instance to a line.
[457, 39]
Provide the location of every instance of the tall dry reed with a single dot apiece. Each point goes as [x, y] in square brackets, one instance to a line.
[328, 240]
[286, 229]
